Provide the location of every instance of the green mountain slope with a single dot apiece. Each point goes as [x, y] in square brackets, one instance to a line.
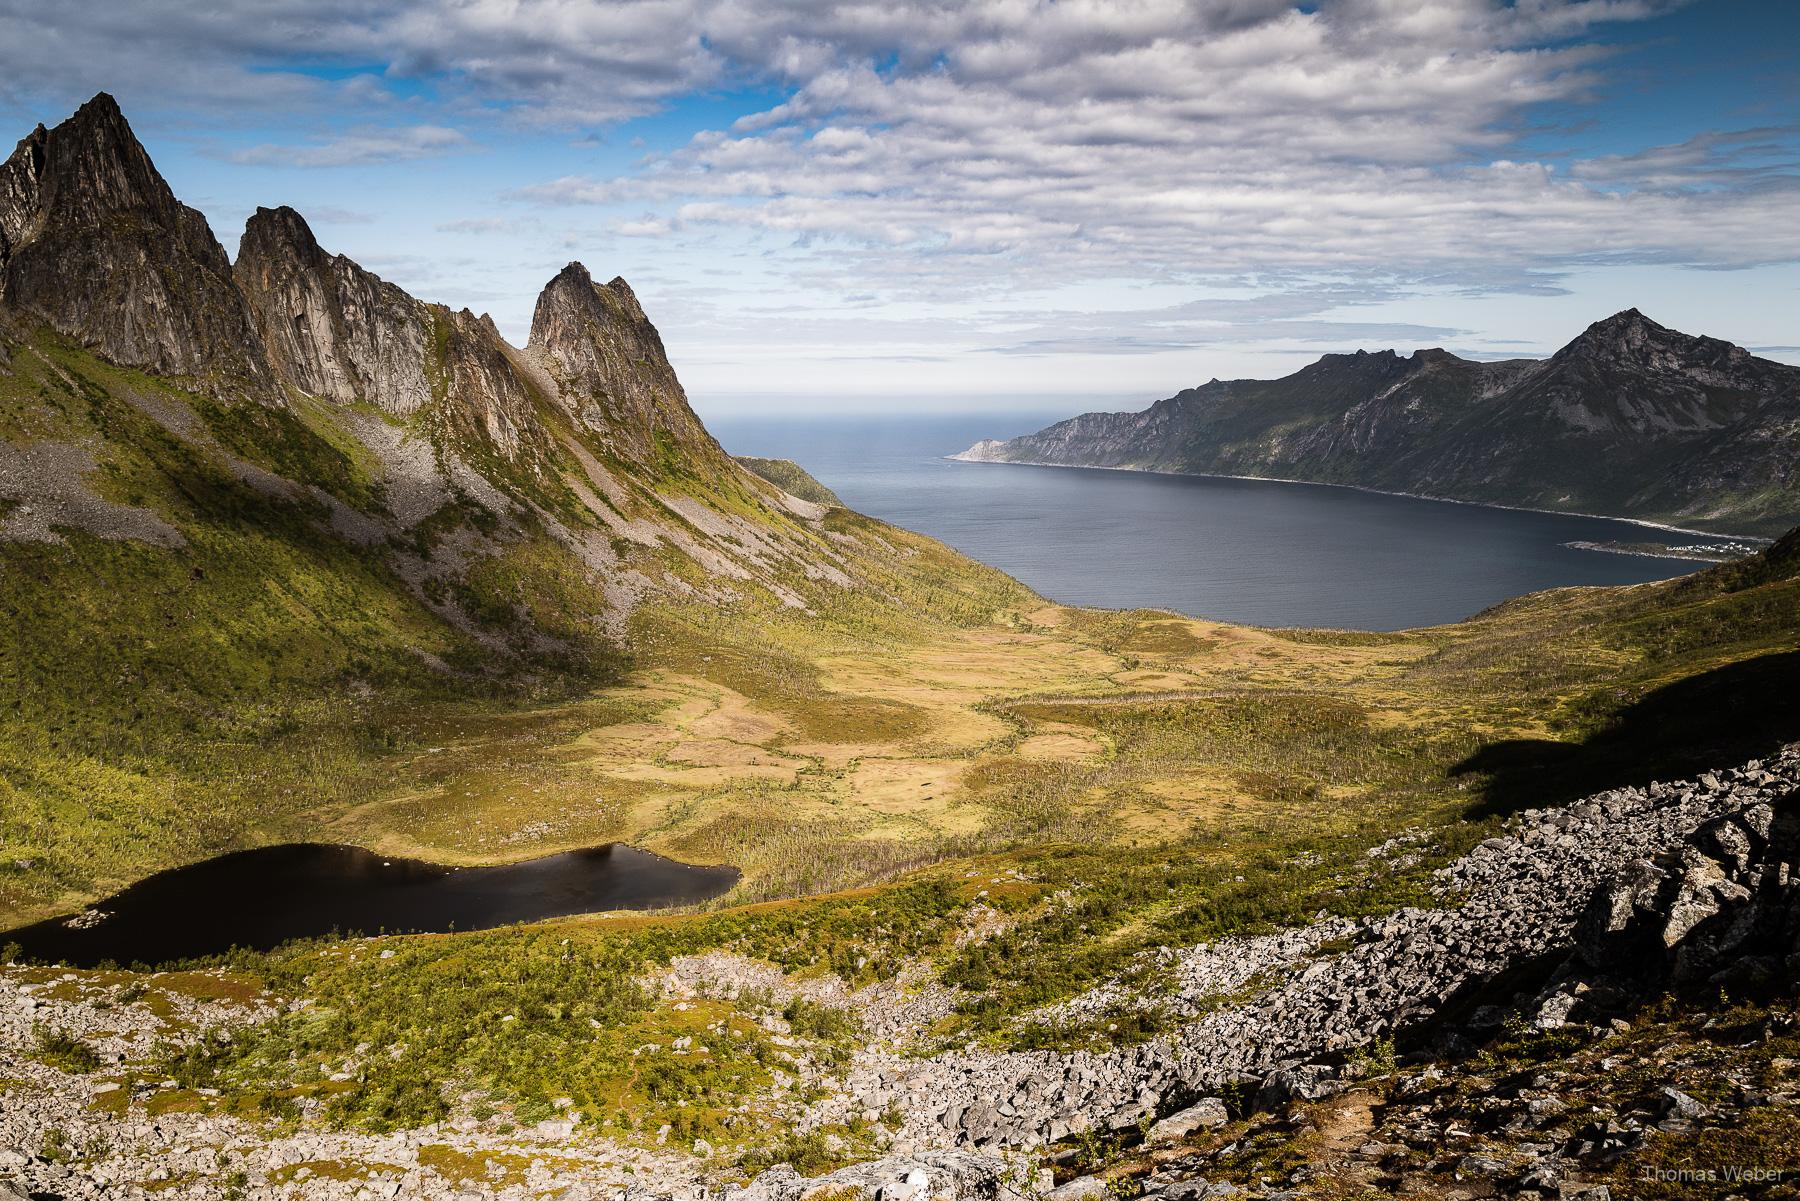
[255, 516]
[791, 478]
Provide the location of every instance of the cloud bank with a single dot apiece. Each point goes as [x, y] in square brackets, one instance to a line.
[1343, 153]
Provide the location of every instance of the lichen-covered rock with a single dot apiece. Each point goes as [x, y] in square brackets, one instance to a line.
[937, 1176]
[1208, 1113]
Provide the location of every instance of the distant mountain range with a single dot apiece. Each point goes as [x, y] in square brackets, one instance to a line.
[1631, 419]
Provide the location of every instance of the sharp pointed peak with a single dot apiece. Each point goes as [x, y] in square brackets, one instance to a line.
[1626, 319]
[278, 233]
[574, 272]
[101, 107]
[574, 286]
[93, 161]
[627, 298]
[102, 117]
[280, 217]
[95, 228]
[1624, 326]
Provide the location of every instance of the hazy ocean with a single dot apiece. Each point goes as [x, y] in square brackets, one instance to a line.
[1241, 550]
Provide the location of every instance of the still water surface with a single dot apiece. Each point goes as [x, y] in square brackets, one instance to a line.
[266, 897]
[1251, 551]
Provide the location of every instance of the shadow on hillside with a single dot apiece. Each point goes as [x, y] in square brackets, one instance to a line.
[1716, 719]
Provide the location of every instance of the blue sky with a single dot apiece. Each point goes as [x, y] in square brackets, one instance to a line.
[918, 202]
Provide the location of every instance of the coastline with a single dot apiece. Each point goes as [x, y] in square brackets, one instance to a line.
[1604, 549]
[1448, 500]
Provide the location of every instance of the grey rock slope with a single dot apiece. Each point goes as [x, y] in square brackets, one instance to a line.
[612, 369]
[1630, 419]
[1697, 874]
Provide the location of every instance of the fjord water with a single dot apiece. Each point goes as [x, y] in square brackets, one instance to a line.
[262, 898]
[1251, 551]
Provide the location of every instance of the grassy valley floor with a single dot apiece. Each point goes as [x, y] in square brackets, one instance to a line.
[981, 820]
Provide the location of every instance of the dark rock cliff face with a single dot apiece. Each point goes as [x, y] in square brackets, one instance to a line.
[337, 331]
[1631, 418]
[611, 367]
[93, 242]
[331, 328]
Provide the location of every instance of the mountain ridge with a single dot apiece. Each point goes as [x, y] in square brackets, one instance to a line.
[1630, 419]
[243, 505]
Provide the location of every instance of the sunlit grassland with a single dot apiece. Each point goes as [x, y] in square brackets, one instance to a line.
[1238, 792]
[876, 758]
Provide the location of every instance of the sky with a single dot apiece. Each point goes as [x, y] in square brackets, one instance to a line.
[1044, 204]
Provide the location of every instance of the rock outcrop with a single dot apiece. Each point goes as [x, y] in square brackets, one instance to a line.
[612, 370]
[332, 329]
[933, 1176]
[1696, 871]
[93, 242]
[1631, 419]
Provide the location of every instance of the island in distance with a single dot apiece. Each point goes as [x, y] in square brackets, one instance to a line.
[1631, 419]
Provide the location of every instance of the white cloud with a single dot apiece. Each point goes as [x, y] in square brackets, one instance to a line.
[1001, 153]
[645, 227]
[481, 225]
[1024, 143]
[357, 147]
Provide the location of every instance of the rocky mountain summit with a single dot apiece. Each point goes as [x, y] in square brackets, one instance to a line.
[330, 328]
[1630, 419]
[595, 340]
[322, 384]
[93, 242]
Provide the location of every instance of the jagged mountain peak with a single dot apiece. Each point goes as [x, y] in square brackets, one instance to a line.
[332, 329]
[1353, 365]
[611, 368]
[1626, 323]
[1630, 335]
[83, 170]
[94, 242]
[280, 226]
[574, 287]
[1631, 343]
[627, 298]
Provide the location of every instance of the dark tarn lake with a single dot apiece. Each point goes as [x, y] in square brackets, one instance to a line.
[1250, 551]
[260, 899]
